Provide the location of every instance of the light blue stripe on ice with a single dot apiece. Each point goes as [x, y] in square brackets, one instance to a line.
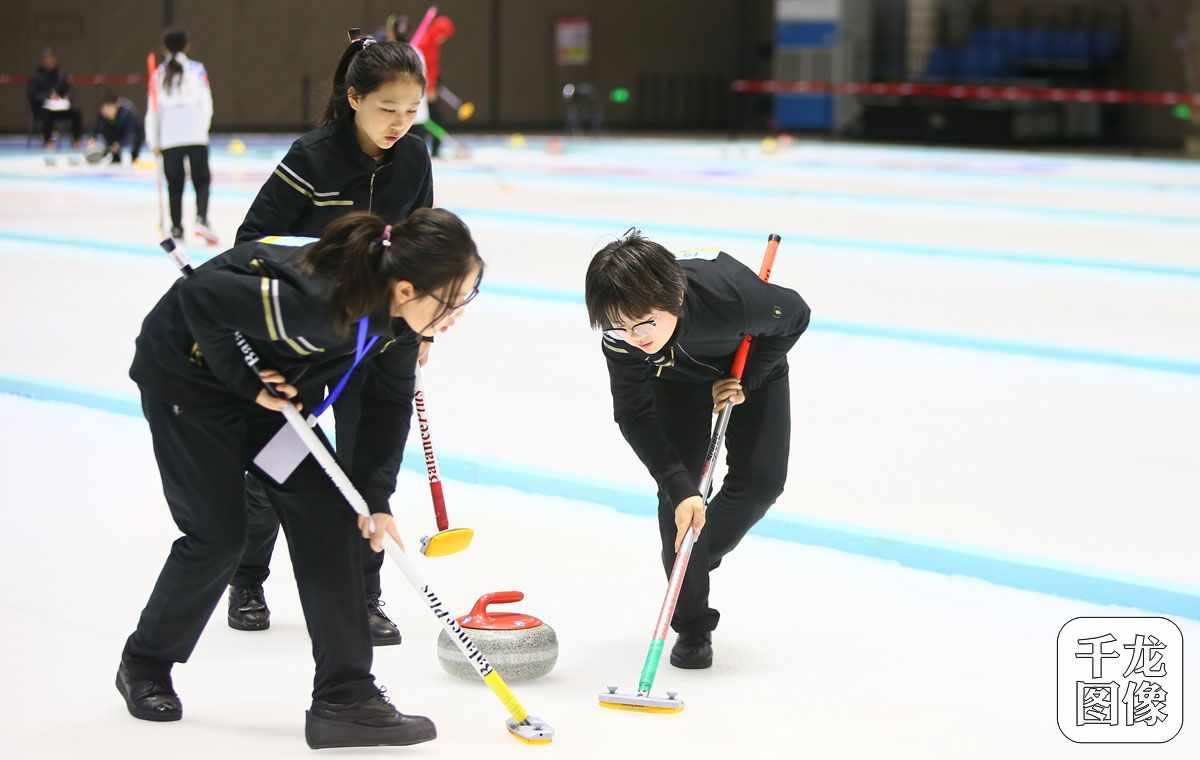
[652, 228]
[708, 233]
[1185, 366]
[1029, 573]
[1180, 366]
[871, 246]
[779, 193]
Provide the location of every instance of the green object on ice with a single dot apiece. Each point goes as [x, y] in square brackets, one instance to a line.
[619, 95]
[1183, 111]
[651, 667]
[436, 130]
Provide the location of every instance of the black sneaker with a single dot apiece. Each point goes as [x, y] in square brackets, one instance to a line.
[153, 699]
[693, 651]
[248, 609]
[384, 632]
[373, 722]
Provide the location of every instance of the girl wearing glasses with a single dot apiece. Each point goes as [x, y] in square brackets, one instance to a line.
[362, 158]
[364, 294]
[671, 327]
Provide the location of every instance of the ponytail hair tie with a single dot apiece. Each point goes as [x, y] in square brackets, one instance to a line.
[356, 35]
[386, 239]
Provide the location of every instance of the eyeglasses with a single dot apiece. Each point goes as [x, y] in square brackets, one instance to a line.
[640, 330]
[469, 298]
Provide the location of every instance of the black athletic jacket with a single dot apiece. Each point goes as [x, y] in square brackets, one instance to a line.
[42, 82]
[186, 353]
[125, 128]
[325, 174]
[724, 301]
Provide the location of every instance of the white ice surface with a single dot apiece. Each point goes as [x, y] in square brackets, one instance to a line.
[819, 654]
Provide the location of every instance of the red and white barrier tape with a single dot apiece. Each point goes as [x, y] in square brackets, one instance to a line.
[969, 92]
[82, 79]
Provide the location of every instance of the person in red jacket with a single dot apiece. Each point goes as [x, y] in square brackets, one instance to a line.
[430, 45]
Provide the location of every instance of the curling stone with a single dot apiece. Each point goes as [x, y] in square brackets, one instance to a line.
[517, 141]
[237, 147]
[520, 647]
[95, 154]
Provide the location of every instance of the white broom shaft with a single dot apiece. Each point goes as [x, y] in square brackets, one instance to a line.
[327, 462]
[461, 639]
[331, 467]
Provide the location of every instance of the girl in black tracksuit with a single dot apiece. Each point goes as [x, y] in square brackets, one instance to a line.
[363, 158]
[304, 313]
[671, 327]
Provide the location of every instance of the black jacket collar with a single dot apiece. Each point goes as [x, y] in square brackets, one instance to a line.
[349, 141]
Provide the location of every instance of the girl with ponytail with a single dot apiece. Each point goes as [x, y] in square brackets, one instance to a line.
[312, 312]
[360, 158]
[178, 129]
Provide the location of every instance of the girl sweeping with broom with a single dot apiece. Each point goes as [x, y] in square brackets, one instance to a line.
[671, 328]
[364, 293]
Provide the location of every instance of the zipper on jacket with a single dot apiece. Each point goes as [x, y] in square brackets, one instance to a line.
[702, 364]
[371, 192]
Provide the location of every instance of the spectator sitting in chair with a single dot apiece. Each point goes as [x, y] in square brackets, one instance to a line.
[119, 126]
[49, 92]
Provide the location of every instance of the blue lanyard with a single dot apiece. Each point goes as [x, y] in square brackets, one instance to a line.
[360, 350]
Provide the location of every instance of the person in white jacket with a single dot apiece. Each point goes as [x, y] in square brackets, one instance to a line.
[178, 129]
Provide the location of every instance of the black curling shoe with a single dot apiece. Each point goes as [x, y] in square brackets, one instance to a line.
[149, 700]
[248, 609]
[692, 651]
[373, 722]
[384, 632]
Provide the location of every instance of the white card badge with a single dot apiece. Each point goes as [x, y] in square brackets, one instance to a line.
[283, 453]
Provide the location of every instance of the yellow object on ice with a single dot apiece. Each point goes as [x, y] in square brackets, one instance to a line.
[507, 698]
[447, 542]
[237, 147]
[520, 738]
[517, 140]
[641, 708]
[466, 111]
[769, 145]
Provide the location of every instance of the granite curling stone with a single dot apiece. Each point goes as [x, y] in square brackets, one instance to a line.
[520, 647]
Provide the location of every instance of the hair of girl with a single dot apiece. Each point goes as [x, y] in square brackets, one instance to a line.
[367, 65]
[630, 278]
[365, 258]
[175, 40]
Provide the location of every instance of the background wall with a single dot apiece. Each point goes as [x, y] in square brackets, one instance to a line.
[270, 61]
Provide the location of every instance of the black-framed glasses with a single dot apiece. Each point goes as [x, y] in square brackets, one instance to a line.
[640, 330]
[468, 299]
